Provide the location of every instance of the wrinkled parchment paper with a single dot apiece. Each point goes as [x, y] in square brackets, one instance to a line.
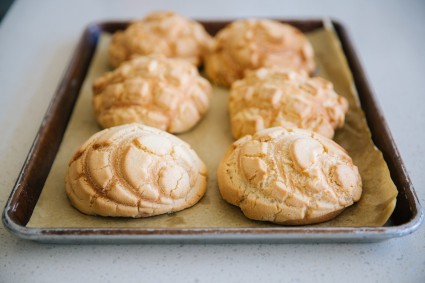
[210, 139]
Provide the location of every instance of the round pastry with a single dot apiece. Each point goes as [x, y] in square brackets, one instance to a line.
[288, 176]
[160, 33]
[251, 44]
[270, 97]
[161, 92]
[134, 171]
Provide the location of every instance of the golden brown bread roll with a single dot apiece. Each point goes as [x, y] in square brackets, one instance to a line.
[164, 33]
[134, 171]
[254, 43]
[270, 97]
[168, 94]
[288, 176]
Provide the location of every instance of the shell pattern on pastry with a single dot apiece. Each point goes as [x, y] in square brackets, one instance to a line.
[164, 33]
[134, 171]
[161, 92]
[270, 97]
[254, 43]
[288, 176]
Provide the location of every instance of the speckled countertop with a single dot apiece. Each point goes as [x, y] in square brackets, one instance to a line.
[37, 39]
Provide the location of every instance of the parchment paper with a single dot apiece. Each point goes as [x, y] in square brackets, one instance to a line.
[210, 139]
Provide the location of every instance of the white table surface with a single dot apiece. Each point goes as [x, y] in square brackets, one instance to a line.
[37, 39]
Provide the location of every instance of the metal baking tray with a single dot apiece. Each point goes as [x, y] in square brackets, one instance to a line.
[405, 219]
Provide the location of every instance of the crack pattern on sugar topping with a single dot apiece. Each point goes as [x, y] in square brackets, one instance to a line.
[134, 171]
[164, 33]
[160, 92]
[271, 97]
[254, 43]
[289, 176]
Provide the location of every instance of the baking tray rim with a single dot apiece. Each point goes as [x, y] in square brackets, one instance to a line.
[208, 235]
[213, 235]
